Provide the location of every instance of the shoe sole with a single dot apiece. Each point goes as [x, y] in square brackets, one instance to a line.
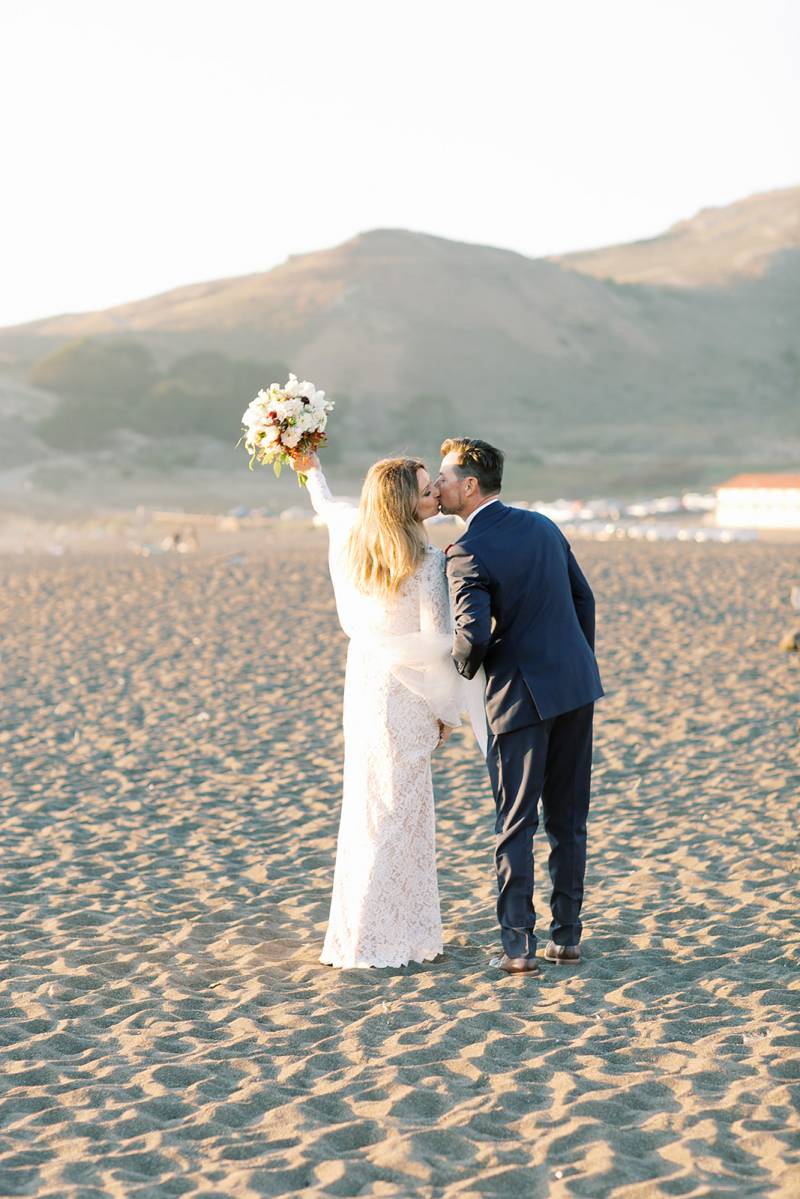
[562, 961]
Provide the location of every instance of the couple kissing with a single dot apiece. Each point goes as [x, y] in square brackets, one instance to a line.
[501, 627]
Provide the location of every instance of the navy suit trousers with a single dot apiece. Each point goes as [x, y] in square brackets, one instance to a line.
[550, 761]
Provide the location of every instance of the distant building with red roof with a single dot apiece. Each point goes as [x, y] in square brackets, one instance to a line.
[760, 501]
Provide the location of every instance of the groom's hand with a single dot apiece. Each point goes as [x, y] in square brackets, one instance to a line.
[444, 732]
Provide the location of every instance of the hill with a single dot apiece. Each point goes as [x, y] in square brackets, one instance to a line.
[592, 385]
[715, 247]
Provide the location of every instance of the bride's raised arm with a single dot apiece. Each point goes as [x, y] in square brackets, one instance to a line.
[337, 514]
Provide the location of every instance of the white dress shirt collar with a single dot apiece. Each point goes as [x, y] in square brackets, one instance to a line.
[480, 508]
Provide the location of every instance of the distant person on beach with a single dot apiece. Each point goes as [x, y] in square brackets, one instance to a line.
[525, 613]
[402, 698]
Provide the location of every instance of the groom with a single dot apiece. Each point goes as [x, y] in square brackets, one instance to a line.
[524, 611]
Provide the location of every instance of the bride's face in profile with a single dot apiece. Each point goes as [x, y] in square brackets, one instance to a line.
[428, 504]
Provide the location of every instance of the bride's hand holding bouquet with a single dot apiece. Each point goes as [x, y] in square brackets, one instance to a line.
[285, 425]
[301, 464]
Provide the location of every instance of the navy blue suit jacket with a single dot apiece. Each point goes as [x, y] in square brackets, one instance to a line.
[524, 611]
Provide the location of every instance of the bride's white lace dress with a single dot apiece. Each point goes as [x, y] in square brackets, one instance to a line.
[385, 902]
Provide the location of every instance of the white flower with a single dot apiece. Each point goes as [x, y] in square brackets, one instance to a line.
[279, 418]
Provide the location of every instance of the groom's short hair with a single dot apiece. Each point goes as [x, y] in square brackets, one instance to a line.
[478, 460]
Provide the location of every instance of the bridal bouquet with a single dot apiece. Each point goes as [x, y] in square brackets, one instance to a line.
[286, 422]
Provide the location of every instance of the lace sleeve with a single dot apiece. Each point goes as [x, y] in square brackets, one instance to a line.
[434, 606]
[330, 510]
[336, 514]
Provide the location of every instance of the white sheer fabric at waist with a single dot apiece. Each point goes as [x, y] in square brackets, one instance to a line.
[422, 662]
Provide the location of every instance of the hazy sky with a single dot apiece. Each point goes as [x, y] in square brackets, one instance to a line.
[153, 143]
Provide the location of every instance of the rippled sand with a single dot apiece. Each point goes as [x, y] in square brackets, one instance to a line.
[170, 780]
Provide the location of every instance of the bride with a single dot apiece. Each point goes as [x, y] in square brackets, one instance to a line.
[402, 697]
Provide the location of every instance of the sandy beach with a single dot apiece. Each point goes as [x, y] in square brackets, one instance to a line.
[171, 770]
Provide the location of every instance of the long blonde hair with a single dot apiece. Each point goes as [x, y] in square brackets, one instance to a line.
[387, 542]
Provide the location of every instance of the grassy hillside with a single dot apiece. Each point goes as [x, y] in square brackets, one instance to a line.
[711, 249]
[591, 385]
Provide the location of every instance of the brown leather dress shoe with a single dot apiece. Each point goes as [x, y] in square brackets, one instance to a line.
[562, 955]
[515, 965]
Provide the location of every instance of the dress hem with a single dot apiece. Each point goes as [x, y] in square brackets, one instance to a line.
[359, 964]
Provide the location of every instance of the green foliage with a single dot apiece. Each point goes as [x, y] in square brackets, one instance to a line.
[108, 386]
[211, 391]
[425, 420]
[86, 423]
[123, 369]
